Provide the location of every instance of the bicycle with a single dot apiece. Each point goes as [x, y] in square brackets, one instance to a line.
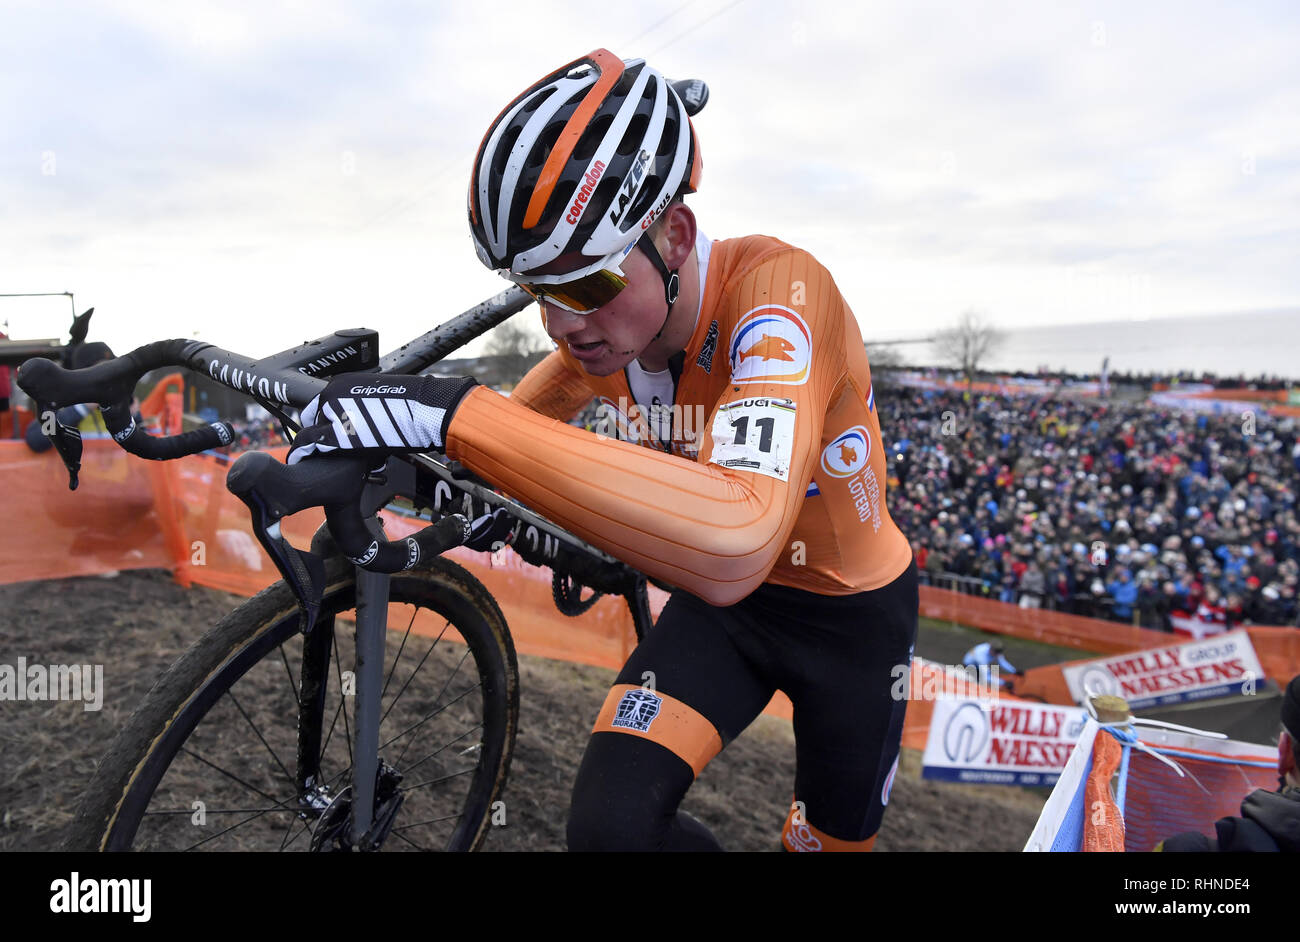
[282, 762]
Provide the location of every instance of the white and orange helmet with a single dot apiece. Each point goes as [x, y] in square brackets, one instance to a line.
[578, 166]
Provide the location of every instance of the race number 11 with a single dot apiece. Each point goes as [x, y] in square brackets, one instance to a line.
[755, 435]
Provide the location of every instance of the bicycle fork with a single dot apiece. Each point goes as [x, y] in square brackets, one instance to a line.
[372, 623]
[361, 829]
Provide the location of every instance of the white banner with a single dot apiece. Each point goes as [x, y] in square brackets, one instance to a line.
[1003, 742]
[1219, 666]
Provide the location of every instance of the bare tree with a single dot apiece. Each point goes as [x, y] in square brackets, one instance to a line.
[518, 345]
[967, 344]
[884, 359]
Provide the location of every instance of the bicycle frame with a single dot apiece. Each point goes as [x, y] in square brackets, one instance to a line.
[278, 378]
[289, 380]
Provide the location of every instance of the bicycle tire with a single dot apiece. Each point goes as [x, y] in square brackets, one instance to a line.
[242, 647]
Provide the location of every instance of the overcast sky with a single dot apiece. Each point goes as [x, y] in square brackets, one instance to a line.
[262, 173]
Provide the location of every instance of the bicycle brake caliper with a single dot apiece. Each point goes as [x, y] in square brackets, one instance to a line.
[388, 800]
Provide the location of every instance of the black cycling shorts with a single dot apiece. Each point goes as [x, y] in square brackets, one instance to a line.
[703, 673]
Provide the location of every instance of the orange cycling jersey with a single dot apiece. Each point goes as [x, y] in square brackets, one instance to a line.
[774, 470]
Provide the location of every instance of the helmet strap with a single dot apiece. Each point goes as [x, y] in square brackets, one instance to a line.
[672, 283]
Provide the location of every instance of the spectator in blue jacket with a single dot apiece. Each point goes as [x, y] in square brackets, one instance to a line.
[1125, 593]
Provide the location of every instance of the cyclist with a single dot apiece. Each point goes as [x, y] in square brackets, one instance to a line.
[990, 654]
[742, 463]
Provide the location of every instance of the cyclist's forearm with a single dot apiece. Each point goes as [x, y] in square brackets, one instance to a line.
[714, 533]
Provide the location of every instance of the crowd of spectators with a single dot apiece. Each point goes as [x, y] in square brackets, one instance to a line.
[1112, 509]
[1120, 510]
[259, 433]
[1148, 381]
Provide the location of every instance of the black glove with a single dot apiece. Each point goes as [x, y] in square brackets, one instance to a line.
[379, 413]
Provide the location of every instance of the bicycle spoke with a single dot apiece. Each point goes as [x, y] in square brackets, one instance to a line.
[293, 685]
[420, 824]
[435, 699]
[230, 775]
[237, 824]
[425, 720]
[436, 781]
[237, 759]
[257, 732]
[416, 671]
[306, 829]
[338, 672]
[416, 765]
[333, 723]
[400, 648]
[409, 841]
[190, 811]
[254, 813]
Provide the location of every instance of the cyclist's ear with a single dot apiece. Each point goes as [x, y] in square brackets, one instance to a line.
[675, 235]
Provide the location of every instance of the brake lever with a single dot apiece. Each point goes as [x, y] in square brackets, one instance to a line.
[66, 440]
[303, 572]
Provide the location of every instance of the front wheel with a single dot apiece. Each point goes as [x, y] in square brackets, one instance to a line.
[210, 760]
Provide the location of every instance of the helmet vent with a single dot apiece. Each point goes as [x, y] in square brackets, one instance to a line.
[502, 155]
[624, 84]
[546, 141]
[592, 137]
[633, 136]
[498, 169]
[669, 141]
[649, 191]
[557, 204]
[605, 191]
[535, 102]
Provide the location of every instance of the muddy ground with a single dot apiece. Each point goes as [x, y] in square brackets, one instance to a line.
[138, 623]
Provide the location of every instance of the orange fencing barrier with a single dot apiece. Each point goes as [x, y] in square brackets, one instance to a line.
[1038, 624]
[166, 402]
[1046, 683]
[110, 522]
[1278, 648]
[13, 422]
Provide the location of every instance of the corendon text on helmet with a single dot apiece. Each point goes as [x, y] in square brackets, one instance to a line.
[584, 192]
